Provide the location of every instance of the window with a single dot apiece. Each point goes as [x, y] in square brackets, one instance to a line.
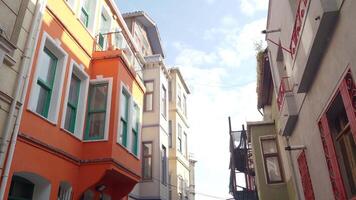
[46, 91]
[97, 110]
[185, 148]
[180, 188]
[124, 118]
[73, 117]
[21, 189]
[170, 133]
[170, 91]
[64, 191]
[164, 165]
[344, 144]
[105, 25]
[84, 13]
[179, 138]
[45, 81]
[72, 104]
[135, 129]
[149, 95]
[87, 13]
[170, 187]
[179, 97]
[271, 160]
[185, 105]
[164, 102]
[147, 161]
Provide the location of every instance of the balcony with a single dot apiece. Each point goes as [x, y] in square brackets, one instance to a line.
[287, 106]
[115, 41]
[314, 24]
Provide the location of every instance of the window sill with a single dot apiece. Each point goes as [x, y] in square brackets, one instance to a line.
[128, 151]
[71, 134]
[44, 118]
[98, 140]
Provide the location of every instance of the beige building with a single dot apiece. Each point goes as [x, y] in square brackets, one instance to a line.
[310, 148]
[178, 140]
[19, 28]
[154, 184]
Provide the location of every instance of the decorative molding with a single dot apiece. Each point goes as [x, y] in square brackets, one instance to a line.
[77, 161]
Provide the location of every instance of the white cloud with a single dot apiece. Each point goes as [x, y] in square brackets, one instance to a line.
[209, 73]
[250, 7]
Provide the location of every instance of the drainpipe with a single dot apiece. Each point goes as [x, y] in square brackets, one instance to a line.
[25, 69]
[296, 186]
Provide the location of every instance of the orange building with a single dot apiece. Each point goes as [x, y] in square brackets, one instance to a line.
[79, 134]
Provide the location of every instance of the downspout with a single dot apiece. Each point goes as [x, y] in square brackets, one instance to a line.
[293, 170]
[25, 69]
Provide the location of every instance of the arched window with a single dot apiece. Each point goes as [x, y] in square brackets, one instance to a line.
[21, 189]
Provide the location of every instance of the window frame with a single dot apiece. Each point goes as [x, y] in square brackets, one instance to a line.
[269, 155]
[164, 102]
[164, 178]
[125, 89]
[55, 47]
[150, 156]
[100, 81]
[138, 127]
[79, 71]
[91, 23]
[170, 133]
[179, 136]
[149, 93]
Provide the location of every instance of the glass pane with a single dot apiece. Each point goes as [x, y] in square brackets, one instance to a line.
[134, 142]
[274, 173]
[124, 106]
[149, 86]
[43, 102]
[69, 122]
[147, 149]
[348, 151]
[98, 94]
[84, 17]
[147, 164]
[135, 117]
[123, 132]
[46, 67]
[149, 102]
[74, 90]
[96, 125]
[269, 146]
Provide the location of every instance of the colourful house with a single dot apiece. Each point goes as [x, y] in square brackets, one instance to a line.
[80, 130]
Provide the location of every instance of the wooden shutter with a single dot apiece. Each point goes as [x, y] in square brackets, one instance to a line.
[305, 176]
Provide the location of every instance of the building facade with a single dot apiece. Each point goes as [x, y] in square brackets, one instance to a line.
[178, 136]
[80, 132]
[18, 28]
[310, 148]
[154, 183]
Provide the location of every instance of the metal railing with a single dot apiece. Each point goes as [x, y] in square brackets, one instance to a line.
[284, 87]
[114, 41]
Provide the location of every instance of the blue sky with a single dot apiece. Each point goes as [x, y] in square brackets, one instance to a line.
[212, 42]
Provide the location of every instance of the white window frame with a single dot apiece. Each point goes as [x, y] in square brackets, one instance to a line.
[107, 13]
[54, 45]
[98, 80]
[92, 21]
[78, 70]
[71, 3]
[138, 129]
